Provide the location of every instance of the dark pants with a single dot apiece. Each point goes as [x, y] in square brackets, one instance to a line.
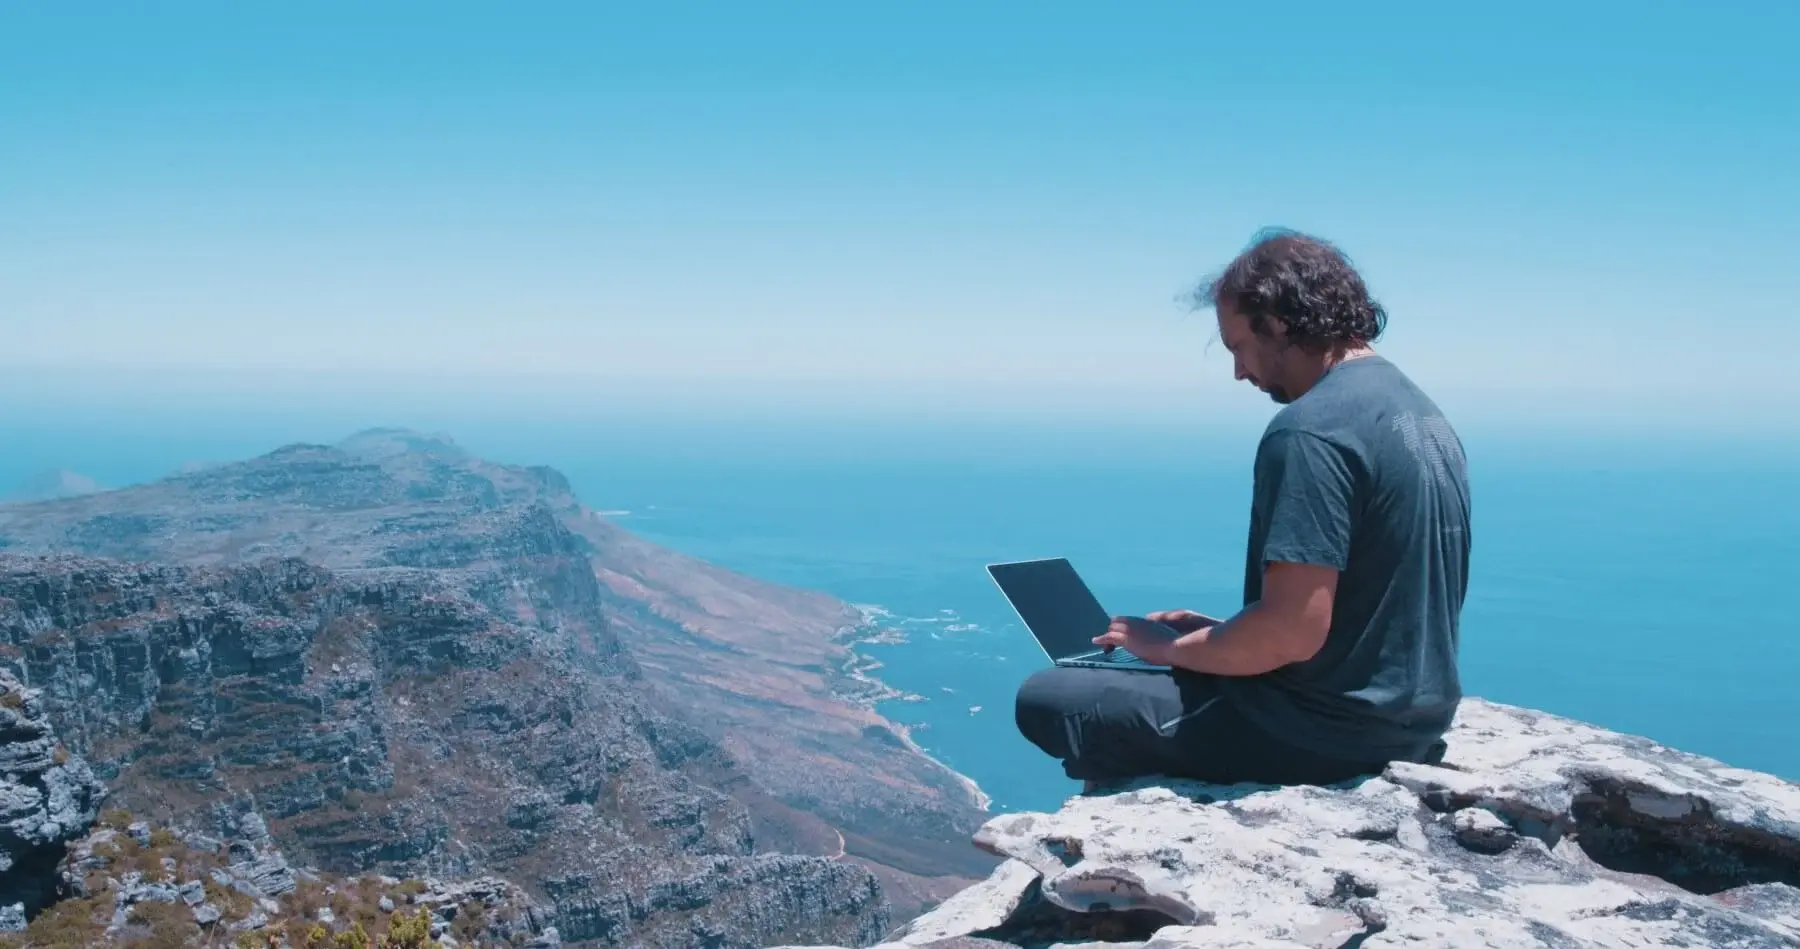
[1109, 725]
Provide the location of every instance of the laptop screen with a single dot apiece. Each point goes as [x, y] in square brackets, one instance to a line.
[1057, 607]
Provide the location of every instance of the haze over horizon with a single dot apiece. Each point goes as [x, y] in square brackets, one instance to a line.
[931, 211]
[762, 332]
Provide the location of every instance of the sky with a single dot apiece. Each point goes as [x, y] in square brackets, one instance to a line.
[1571, 211]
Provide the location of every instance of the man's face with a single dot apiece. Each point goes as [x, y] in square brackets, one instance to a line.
[1259, 360]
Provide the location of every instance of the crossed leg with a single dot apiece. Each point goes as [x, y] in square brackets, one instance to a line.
[1108, 725]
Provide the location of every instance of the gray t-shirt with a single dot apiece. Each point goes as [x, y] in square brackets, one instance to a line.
[1363, 473]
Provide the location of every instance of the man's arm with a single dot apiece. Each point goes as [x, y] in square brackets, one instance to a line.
[1289, 624]
[1308, 489]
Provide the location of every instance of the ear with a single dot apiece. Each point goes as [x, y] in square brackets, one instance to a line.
[1270, 327]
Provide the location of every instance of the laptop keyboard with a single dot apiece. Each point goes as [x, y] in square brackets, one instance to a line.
[1118, 657]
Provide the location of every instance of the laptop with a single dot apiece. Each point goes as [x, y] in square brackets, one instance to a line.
[1062, 614]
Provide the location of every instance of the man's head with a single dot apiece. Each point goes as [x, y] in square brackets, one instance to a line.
[1289, 308]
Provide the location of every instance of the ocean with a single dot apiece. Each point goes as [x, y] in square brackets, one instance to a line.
[1639, 588]
[1639, 582]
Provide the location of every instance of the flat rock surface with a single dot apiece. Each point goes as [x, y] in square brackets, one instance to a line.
[1537, 831]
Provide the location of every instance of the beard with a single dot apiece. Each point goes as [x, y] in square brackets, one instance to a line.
[1278, 394]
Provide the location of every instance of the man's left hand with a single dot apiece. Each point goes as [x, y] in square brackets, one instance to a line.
[1140, 637]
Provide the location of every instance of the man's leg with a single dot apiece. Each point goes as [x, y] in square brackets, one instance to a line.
[1108, 725]
[1112, 725]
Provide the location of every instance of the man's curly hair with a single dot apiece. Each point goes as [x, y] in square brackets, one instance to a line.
[1303, 281]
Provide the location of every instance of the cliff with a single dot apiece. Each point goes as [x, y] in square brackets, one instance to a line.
[88, 878]
[410, 661]
[48, 797]
[396, 725]
[1536, 831]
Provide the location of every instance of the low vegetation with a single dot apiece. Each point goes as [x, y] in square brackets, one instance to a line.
[326, 912]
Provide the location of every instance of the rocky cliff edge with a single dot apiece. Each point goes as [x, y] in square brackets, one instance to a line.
[48, 797]
[1537, 831]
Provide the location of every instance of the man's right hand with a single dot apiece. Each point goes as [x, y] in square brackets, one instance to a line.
[1183, 621]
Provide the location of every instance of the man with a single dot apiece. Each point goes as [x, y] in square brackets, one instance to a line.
[1343, 657]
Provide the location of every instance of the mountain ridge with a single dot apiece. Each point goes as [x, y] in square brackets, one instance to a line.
[756, 669]
[53, 484]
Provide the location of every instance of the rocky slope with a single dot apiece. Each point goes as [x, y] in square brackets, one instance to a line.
[412, 661]
[1537, 832]
[48, 797]
[394, 724]
[87, 878]
[133, 886]
[764, 671]
[757, 667]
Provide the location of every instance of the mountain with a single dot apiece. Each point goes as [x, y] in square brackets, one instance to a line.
[49, 485]
[414, 661]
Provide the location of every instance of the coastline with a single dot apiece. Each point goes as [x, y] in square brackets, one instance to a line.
[859, 667]
[983, 803]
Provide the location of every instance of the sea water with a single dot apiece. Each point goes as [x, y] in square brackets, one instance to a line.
[1640, 583]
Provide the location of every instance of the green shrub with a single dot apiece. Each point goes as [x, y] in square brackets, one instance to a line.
[70, 924]
[171, 925]
[471, 921]
[412, 932]
[233, 904]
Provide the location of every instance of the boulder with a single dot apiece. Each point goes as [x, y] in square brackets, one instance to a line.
[1536, 831]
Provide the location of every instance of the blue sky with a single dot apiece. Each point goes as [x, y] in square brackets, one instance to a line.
[1572, 211]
